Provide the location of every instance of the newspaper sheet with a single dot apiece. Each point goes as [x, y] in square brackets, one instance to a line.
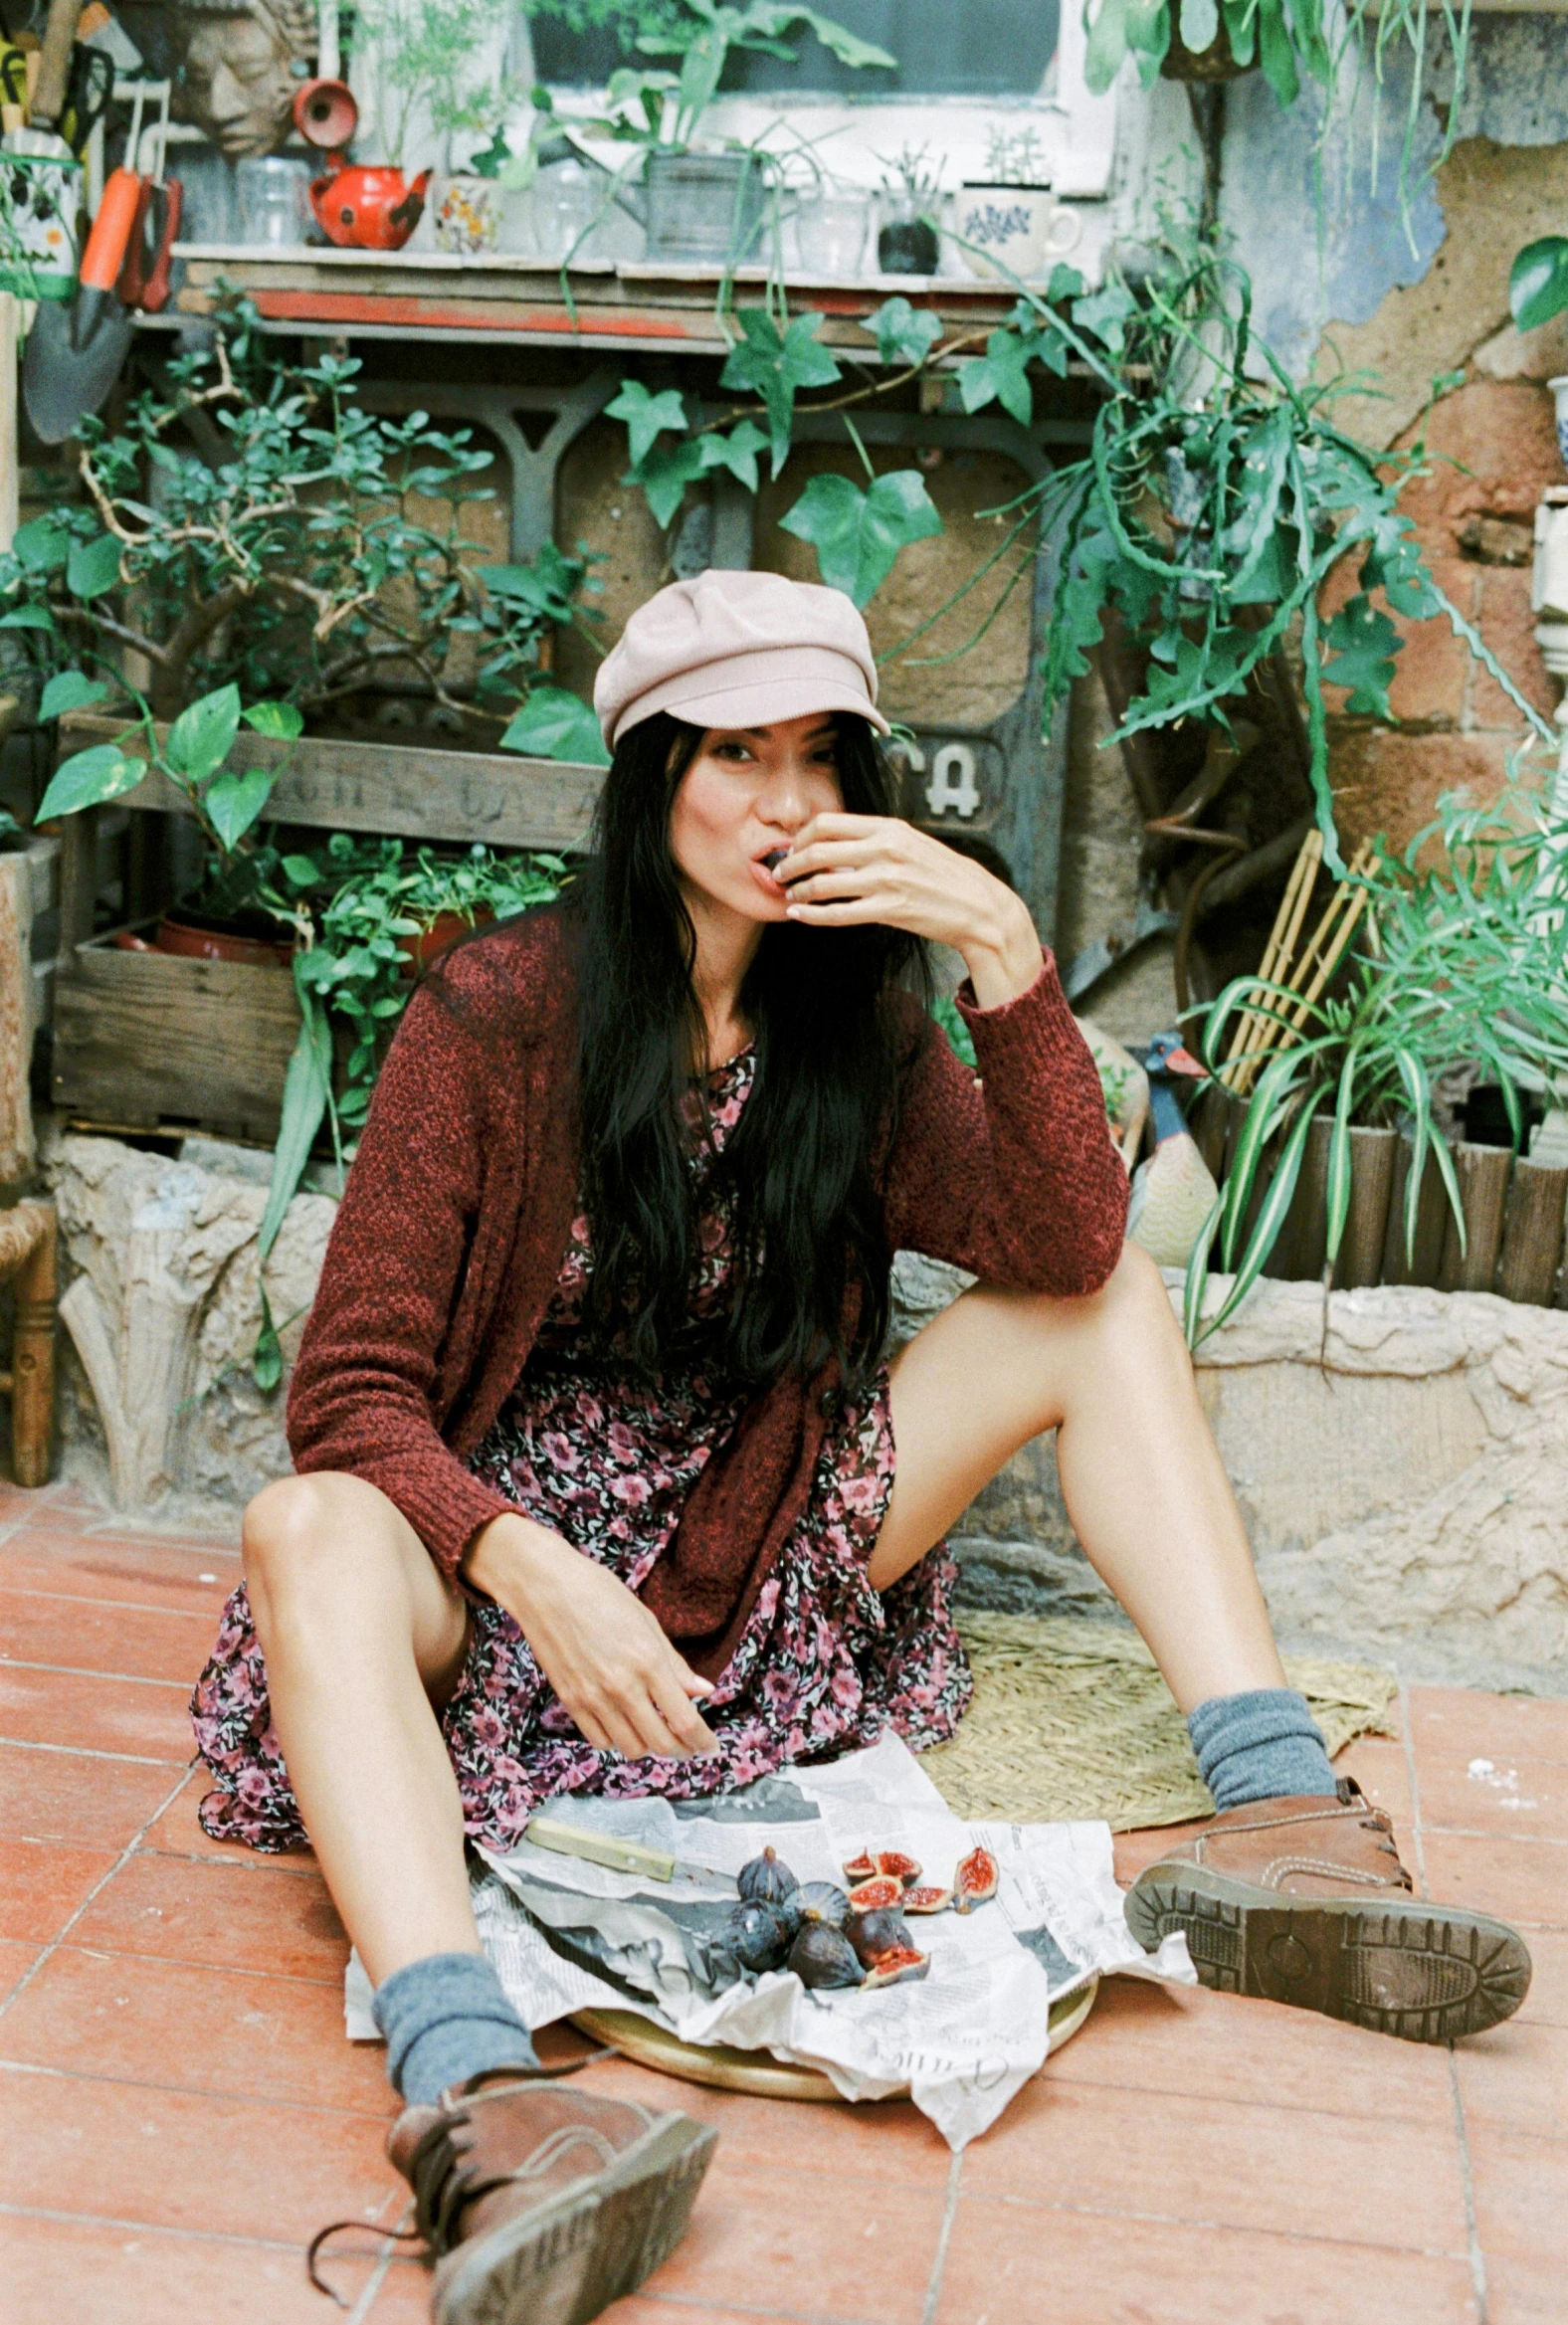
[566, 1935]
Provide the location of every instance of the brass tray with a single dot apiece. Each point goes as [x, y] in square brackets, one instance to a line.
[727, 2069]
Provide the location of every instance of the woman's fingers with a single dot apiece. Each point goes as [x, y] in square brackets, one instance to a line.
[682, 1717]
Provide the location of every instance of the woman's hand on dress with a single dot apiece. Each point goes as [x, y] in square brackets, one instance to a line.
[602, 1652]
[843, 870]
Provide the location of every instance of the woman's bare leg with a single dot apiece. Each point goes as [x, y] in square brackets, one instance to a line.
[1140, 1472]
[361, 1633]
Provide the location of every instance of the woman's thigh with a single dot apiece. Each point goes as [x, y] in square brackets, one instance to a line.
[338, 1545]
[983, 1378]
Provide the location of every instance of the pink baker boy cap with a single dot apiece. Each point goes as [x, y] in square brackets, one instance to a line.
[739, 649]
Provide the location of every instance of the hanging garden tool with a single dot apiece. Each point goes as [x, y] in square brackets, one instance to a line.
[73, 354]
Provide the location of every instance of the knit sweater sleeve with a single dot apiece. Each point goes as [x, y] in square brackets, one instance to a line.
[363, 1393]
[1011, 1172]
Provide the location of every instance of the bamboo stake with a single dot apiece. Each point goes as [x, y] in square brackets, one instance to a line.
[1318, 963]
[1280, 948]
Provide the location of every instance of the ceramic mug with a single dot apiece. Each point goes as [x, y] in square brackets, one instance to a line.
[1005, 231]
[468, 213]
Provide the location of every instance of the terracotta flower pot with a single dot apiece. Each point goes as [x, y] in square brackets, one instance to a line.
[194, 937]
[444, 931]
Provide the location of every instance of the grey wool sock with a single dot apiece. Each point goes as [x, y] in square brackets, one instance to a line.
[1263, 1745]
[447, 2018]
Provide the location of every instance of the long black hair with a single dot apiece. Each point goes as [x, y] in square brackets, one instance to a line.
[797, 1173]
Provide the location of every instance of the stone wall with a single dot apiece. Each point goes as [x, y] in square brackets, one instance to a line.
[1402, 1477]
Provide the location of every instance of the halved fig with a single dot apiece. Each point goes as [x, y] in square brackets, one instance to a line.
[896, 1967]
[928, 1899]
[975, 1881]
[902, 1868]
[861, 1868]
[885, 1889]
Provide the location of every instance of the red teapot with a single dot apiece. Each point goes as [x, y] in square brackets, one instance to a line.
[367, 208]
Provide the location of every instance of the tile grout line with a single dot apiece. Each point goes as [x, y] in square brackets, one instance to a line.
[227, 2098]
[1478, 2259]
[16, 1662]
[86, 1752]
[15, 1590]
[124, 1859]
[933, 2290]
[382, 2269]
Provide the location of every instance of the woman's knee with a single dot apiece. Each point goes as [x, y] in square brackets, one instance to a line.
[301, 1534]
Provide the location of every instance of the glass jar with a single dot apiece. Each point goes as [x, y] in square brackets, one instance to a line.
[274, 195]
[568, 200]
[907, 243]
[830, 233]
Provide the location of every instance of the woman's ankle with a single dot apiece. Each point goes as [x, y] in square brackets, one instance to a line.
[447, 2018]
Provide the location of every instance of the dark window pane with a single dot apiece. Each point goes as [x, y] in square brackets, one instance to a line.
[945, 48]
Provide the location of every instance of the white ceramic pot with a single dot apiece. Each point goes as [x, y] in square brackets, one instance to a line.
[1559, 388]
[1003, 231]
[469, 212]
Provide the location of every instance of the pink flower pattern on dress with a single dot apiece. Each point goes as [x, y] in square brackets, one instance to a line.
[824, 1664]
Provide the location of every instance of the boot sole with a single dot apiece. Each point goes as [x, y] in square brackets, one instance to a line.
[567, 2259]
[1425, 1973]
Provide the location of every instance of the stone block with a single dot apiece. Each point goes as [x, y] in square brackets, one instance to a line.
[1491, 450]
[1389, 781]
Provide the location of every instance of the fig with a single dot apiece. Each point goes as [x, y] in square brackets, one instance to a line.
[766, 1880]
[875, 1933]
[822, 1901]
[896, 1968]
[976, 1880]
[822, 1956]
[883, 1889]
[755, 1936]
[928, 1900]
[861, 1868]
[901, 1868]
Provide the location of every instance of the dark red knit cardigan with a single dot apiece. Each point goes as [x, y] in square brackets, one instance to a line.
[452, 1233]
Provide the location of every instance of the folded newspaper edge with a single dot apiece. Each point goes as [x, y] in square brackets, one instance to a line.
[567, 1935]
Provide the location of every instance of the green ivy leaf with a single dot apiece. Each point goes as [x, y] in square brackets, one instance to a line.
[232, 802]
[556, 724]
[776, 367]
[1001, 374]
[43, 546]
[29, 618]
[1106, 45]
[70, 690]
[89, 779]
[665, 476]
[284, 721]
[1365, 642]
[93, 566]
[646, 416]
[1104, 313]
[904, 333]
[202, 736]
[1537, 284]
[858, 535]
[737, 451]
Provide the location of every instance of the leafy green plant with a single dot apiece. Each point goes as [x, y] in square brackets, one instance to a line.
[1538, 282]
[1292, 40]
[255, 524]
[435, 56]
[193, 757]
[1465, 963]
[662, 110]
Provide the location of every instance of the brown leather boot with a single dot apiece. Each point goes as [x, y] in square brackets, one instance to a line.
[540, 2206]
[1305, 1901]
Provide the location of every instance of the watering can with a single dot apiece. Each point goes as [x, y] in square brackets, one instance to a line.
[702, 209]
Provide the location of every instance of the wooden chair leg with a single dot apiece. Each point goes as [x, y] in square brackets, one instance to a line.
[36, 1286]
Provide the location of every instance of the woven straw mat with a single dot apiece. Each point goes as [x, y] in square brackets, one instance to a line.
[1070, 1718]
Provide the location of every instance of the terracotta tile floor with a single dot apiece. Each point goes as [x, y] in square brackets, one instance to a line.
[182, 2109]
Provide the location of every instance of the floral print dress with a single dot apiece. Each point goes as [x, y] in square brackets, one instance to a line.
[607, 1460]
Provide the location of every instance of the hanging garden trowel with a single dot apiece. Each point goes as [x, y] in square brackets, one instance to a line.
[75, 350]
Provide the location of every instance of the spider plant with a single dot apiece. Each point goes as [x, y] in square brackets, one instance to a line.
[1466, 962]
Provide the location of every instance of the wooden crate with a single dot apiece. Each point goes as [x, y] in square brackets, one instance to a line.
[148, 1042]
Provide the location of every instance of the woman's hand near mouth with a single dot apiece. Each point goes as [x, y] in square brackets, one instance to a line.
[845, 870]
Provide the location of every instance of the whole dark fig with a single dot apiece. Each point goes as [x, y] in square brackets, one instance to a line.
[823, 1901]
[822, 1956]
[875, 1933]
[755, 1936]
[766, 1880]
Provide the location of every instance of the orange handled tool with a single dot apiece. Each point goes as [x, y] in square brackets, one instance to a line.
[120, 214]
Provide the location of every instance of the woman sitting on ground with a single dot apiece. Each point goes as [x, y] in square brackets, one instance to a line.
[599, 1484]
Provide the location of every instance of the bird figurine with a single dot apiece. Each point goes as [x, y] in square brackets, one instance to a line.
[1173, 1192]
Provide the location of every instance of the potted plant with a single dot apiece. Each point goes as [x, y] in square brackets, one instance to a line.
[700, 206]
[1458, 966]
[1008, 223]
[907, 237]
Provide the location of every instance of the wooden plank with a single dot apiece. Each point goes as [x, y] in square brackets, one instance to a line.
[147, 1038]
[1533, 1241]
[1482, 1173]
[397, 788]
